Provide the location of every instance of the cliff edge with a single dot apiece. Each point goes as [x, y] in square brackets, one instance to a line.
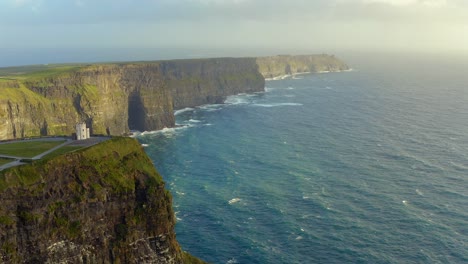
[116, 98]
[103, 204]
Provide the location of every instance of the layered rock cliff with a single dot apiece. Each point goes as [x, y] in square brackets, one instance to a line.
[276, 66]
[115, 98]
[104, 204]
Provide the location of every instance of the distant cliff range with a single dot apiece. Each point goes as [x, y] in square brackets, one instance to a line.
[119, 97]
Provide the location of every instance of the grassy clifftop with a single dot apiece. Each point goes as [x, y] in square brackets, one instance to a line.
[102, 204]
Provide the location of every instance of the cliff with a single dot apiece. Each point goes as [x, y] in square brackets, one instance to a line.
[115, 98]
[104, 204]
[275, 66]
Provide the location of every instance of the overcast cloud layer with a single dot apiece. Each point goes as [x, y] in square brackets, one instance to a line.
[437, 26]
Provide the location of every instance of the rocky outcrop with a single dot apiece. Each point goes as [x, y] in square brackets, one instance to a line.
[116, 98]
[281, 65]
[104, 204]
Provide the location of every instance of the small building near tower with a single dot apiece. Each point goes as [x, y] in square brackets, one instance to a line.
[82, 132]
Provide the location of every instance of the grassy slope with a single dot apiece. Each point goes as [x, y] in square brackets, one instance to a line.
[27, 149]
[5, 161]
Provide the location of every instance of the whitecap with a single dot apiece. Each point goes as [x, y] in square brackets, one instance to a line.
[180, 111]
[234, 200]
[144, 145]
[290, 88]
[404, 202]
[269, 89]
[232, 261]
[278, 104]
[419, 192]
[194, 121]
[298, 237]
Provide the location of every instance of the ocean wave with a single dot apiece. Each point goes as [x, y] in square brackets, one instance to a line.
[279, 77]
[236, 100]
[278, 104]
[166, 130]
[211, 107]
[180, 111]
[232, 261]
[194, 121]
[234, 200]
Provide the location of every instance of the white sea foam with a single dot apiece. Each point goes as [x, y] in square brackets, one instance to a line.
[236, 100]
[298, 237]
[419, 192]
[277, 104]
[180, 111]
[134, 133]
[232, 261]
[211, 107]
[194, 121]
[144, 145]
[166, 130]
[234, 200]
[280, 77]
[269, 89]
[290, 88]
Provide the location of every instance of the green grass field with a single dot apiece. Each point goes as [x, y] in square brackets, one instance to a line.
[5, 161]
[27, 149]
[62, 150]
[36, 71]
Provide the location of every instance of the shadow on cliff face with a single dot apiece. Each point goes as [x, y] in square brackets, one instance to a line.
[136, 112]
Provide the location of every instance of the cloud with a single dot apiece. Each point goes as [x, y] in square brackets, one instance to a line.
[403, 3]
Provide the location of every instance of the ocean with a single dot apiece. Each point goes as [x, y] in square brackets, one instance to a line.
[366, 166]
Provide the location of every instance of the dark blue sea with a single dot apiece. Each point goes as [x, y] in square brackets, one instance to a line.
[366, 166]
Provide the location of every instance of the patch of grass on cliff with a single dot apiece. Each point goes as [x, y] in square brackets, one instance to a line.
[27, 149]
[113, 164]
[37, 71]
[25, 175]
[5, 161]
[61, 151]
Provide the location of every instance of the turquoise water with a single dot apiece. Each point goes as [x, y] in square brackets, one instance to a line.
[367, 166]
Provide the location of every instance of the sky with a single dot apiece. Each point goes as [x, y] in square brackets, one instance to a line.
[138, 29]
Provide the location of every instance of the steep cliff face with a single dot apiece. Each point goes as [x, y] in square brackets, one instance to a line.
[208, 81]
[115, 98]
[281, 65]
[104, 96]
[105, 204]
